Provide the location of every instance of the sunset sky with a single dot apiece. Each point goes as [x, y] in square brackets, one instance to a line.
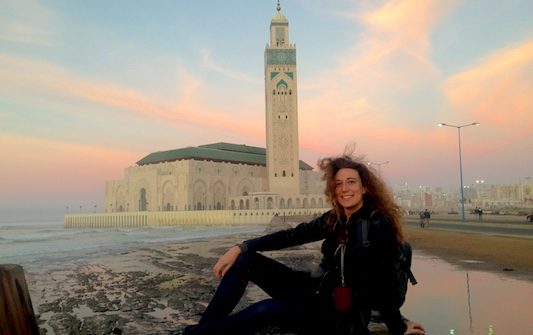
[87, 88]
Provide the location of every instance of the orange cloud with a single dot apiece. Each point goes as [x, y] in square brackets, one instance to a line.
[394, 46]
[392, 57]
[24, 77]
[34, 169]
[497, 91]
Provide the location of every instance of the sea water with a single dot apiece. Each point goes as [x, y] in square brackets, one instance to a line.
[40, 243]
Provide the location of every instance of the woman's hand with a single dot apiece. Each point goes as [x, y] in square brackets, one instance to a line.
[225, 262]
[414, 328]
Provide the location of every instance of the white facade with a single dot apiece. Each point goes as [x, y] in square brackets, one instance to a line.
[205, 185]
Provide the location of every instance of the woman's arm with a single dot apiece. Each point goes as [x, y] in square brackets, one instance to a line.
[303, 233]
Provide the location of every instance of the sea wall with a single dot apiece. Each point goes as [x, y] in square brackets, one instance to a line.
[161, 219]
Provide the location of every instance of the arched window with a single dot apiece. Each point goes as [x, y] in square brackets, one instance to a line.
[143, 204]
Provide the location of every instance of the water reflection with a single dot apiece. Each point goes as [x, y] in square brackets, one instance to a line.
[467, 302]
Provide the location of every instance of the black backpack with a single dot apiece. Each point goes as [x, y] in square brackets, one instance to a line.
[402, 265]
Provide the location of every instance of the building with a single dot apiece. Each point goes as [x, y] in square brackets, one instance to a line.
[225, 176]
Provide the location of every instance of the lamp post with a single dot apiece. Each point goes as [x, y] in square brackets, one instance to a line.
[379, 164]
[460, 161]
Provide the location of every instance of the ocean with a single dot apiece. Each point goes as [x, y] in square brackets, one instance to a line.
[41, 243]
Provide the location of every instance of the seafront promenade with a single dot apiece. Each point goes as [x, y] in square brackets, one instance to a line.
[263, 216]
[502, 225]
[165, 219]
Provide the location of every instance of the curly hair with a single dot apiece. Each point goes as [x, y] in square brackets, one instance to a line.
[377, 195]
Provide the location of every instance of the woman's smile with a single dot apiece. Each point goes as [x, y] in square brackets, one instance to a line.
[349, 190]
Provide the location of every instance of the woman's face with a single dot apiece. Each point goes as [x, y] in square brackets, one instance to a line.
[349, 190]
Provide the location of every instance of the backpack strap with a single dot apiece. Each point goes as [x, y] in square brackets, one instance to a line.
[407, 255]
[412, 278]
[365, 226]
[406, 247]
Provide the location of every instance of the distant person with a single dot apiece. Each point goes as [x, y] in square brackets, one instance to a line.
[360, 272]
[427, 216]
[479, 214]
[422, 219]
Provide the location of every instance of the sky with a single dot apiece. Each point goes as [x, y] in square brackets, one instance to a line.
[88, 88]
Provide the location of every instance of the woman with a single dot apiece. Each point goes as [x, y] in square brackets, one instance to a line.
[352, 279]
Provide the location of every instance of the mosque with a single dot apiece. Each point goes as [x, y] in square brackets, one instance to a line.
[226, 176]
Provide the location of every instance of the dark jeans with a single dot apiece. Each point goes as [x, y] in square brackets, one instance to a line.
[293, 305]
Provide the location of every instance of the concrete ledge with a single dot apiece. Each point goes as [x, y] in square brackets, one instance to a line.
[165, 219]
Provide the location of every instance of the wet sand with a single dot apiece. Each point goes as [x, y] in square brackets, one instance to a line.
[509, 255]
[161, 288]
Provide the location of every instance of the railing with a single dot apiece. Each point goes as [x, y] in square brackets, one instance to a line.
[160, 219]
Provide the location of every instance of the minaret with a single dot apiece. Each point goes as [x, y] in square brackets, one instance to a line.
[281, 109]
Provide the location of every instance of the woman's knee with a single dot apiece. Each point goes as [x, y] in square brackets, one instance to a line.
[247, 260]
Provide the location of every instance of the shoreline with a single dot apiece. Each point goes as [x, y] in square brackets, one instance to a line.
[160, 288]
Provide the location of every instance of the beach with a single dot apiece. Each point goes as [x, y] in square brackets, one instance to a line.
[162, 287]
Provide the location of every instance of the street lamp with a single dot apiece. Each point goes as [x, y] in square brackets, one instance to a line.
[379, 164]
[460, 161]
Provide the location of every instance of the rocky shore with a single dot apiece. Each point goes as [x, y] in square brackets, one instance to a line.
[157, 289]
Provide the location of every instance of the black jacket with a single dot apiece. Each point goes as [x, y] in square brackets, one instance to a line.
[369, 270]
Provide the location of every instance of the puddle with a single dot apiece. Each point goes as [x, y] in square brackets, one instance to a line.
[449, 300]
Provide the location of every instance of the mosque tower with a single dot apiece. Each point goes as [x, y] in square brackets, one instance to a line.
[281, 109]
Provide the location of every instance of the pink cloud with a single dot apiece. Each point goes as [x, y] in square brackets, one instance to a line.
[55, 170]
[497, 91]
[393, 49]
[189, 111]
[391, 57]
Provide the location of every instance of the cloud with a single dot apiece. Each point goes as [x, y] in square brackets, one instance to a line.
[208, 62]
[26, 22]
[498, 93]
[393, 49]
[377, 79]
[27, 78]
[54, 169]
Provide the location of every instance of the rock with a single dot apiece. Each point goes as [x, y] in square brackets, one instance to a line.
[276, 224]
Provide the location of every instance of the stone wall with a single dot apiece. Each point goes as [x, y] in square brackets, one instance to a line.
[162, 219]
